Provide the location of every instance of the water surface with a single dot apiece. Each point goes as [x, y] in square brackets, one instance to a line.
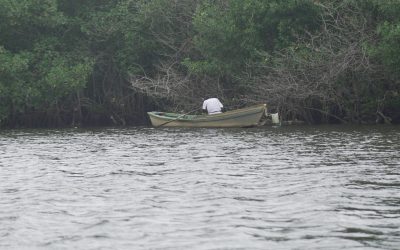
[327, 187]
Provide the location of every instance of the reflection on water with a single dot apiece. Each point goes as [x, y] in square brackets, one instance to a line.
[143, 188]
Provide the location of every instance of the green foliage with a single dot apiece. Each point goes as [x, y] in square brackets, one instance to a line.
[21, 22]
[38, 67]
[387, 10]
[202, 67]
[13, 71]
[388, 48]
[237, 33]
[76, 56]
[153, 31]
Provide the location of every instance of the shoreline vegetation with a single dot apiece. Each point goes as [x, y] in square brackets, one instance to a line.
[74, 63]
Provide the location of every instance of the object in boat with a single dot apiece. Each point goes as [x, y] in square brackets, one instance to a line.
[275, 118]
[245, 117]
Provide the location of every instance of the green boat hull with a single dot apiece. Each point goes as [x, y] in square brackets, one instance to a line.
[245, 117]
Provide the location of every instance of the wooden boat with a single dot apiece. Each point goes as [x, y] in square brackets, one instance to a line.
[245, 117]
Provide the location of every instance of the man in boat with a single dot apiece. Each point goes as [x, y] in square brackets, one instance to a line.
[212, 106]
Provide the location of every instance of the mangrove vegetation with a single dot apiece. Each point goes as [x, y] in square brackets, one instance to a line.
[108, 62]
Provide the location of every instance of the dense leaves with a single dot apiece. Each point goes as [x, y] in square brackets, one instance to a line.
[107, 62]
[233, 34]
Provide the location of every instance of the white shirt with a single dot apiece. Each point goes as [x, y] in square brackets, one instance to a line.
[213, 106]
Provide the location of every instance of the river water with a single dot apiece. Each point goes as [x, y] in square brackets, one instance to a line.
[299, 187]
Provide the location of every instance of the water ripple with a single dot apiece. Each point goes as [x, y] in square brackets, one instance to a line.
[320, 187]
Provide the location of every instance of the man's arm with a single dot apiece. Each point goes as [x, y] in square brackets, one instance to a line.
[205, 107]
